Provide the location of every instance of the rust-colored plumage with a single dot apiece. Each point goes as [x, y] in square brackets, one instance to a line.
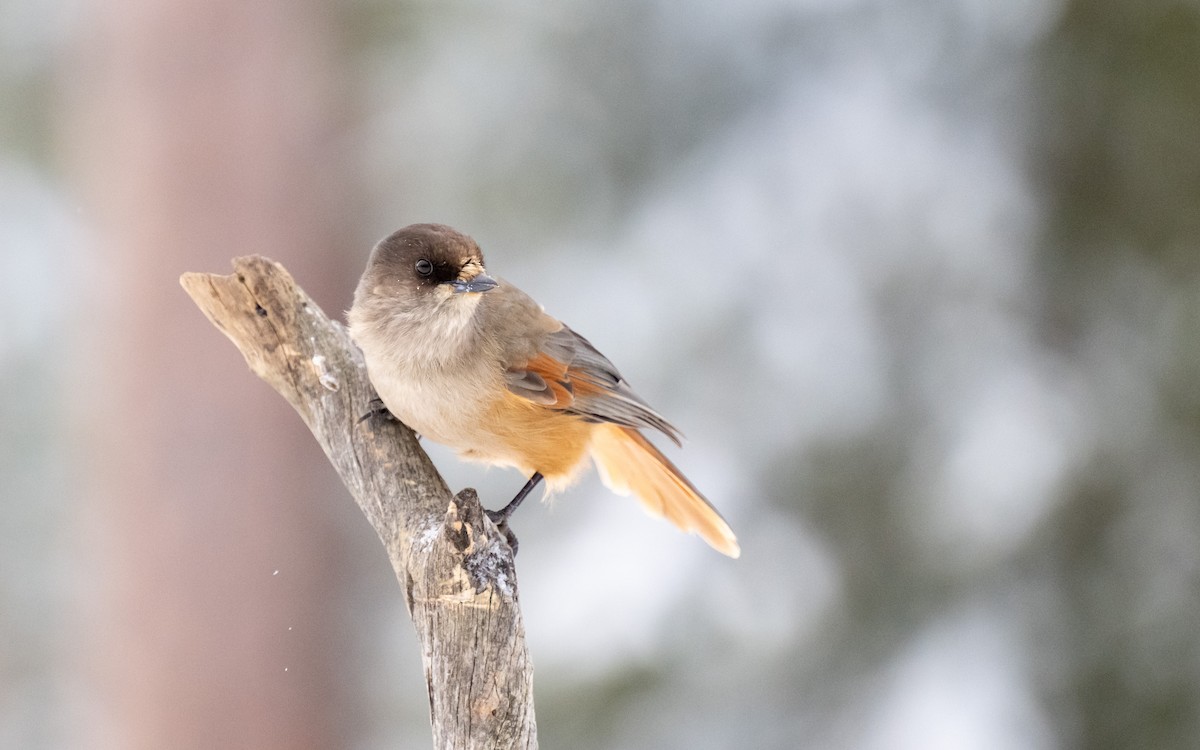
[629, 463]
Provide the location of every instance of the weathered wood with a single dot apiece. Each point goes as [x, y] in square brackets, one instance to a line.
[455, 567]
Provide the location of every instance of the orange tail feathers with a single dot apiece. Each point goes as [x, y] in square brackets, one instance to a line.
[629, 463]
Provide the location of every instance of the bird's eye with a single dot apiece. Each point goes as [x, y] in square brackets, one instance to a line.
[424, 267]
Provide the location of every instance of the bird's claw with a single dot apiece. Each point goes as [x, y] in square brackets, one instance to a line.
[377, 409]
[500, 518]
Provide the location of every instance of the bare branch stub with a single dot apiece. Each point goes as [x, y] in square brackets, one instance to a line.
[454, 565]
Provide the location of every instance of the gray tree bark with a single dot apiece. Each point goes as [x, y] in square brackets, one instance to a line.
[454, 565]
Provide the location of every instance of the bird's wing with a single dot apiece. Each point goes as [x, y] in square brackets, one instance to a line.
[568, 373]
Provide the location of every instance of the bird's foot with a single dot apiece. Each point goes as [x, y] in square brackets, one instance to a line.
[378, 409]
[500, 518]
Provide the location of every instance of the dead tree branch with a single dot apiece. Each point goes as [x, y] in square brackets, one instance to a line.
[455, 568]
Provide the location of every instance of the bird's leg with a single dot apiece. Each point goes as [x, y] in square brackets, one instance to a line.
[377, 409]
[500, 517]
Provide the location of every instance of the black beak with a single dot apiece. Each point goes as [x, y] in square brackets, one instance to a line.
[481, 283]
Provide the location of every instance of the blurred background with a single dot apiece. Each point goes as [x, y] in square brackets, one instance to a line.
[918, 279]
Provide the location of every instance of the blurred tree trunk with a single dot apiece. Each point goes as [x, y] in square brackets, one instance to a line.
[202, 129]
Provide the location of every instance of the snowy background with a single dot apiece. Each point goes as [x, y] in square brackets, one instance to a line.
[919, 281]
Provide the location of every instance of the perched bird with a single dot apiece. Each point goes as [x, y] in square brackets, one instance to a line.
[474, 363]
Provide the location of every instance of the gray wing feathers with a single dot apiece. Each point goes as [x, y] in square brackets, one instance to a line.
[530, 385]
[616, 402]
[608, 398]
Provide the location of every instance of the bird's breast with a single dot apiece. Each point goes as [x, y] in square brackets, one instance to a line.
[442, 406]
